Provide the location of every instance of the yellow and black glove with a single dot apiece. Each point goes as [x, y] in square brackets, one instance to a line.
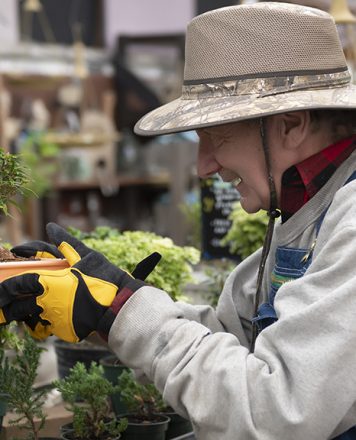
[74, 302]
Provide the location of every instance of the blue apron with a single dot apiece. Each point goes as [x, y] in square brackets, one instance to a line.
[291, 264]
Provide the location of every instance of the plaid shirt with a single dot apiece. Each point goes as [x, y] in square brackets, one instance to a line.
[302, 181]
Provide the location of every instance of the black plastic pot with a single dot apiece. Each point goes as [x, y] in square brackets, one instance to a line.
[178, 425]
[68, 435]
[69, 354]
[3, 407]
[67, 431]
[189, 436]
[49, 438]
[112, 370]
[146, 430]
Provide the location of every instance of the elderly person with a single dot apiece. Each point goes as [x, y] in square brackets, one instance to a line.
[269, 93]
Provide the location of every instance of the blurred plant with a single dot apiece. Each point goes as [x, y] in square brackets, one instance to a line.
[126, 249]
[217, 271]
[247, 231]
[87, 393]
[10, 338]
[192, 214]
[38, 155]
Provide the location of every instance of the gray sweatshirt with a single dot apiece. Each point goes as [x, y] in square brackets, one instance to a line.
[300, 381]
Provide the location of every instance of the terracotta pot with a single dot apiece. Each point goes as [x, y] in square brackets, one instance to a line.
[11, 268]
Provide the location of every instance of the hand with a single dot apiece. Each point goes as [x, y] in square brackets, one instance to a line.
[37, 327]
[74, 301]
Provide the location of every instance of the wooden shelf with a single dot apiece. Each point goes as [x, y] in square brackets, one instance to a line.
[122, 180]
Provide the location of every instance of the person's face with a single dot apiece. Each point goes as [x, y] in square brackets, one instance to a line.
[234, 151]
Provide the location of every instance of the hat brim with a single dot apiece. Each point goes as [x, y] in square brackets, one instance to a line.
[189, 114]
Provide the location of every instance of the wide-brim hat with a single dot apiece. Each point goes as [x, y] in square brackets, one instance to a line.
[249, 61]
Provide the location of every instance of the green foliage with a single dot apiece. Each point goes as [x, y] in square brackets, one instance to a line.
[16, 380]
[126, 249]
[9, 337]
[92, 390]
[13, 179]
[192, 214]
[37, 154]
[142, 400]
[247, 231]
[217, 271]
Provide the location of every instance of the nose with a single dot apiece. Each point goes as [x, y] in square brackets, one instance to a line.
[206, 163]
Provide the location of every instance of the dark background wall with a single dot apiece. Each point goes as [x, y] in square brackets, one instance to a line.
[208, 5]
[62, 15]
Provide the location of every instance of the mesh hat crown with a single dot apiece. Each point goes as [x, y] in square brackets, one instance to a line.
[255, 60]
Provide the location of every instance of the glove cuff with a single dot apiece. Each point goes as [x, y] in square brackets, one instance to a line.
[107, 320]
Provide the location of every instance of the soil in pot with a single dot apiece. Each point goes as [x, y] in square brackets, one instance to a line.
[69, 354]
[112, 370]
[143, 429]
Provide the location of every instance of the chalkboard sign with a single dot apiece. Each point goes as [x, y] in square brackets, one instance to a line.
[217, 200]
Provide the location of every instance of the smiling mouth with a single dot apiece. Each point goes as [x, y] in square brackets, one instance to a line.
[236, 181]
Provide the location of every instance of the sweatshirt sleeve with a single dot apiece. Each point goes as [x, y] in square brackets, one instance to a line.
[298, 384]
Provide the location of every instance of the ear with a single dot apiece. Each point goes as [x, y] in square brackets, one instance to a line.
[293, 128]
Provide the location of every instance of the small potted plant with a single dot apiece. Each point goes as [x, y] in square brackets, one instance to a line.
[113, 369]
[86, 393]
[17, 378]
[14, 181]
[145, 405]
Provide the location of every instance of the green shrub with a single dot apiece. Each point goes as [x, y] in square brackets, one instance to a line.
[247, 231]
[126, 249]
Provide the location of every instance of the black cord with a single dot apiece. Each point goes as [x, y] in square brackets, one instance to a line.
[273, 213]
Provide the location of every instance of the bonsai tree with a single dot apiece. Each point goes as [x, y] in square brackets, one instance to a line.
[143, 401]
[86, 393]
[13, 181]
[125, 249]
[16, 381]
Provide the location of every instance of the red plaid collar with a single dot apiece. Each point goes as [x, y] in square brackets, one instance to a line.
[302, 181]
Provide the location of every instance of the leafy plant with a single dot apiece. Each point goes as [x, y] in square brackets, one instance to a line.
[144, 401]
[9, 337]
[13, 179]
[37, 154]
[16, 380]
[126, 249]
[217, 272]
[192, 214]
[86, 393]
[247, 231]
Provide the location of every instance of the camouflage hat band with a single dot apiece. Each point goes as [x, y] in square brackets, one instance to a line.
[264, 86]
